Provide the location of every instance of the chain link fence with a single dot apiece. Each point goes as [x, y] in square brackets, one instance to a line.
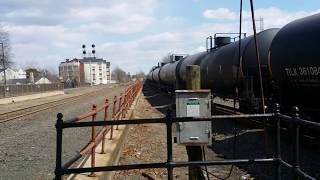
[25, 89]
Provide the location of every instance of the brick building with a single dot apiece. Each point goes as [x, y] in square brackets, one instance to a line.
[71, 70]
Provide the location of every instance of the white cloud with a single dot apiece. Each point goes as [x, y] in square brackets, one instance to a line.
[275, 17]
[272, 16]
[220, 13]
[47, 32]
[132, 24]
[45, 35]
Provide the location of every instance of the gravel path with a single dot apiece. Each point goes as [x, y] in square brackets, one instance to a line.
[27, 146]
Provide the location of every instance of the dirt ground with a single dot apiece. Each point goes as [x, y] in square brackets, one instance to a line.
[147, 143]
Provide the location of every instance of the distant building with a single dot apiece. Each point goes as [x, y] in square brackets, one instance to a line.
[42, 80]
[17, 81]
[87, 70]
[96, 70]
[71, 70]
[12, 74]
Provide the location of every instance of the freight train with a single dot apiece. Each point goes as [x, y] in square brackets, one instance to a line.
[290, 68]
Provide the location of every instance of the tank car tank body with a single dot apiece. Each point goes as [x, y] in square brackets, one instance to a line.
[294, 63]
[290, 67]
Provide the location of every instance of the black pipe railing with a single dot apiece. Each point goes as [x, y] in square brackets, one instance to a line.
[170, 164]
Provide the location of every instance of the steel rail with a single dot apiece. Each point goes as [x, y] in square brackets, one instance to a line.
[46, 105]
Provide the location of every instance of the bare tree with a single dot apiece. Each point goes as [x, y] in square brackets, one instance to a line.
[5, 39]
[51, 75]
[167, 58]
[119, 75]
[35, 72]
[140, 75]
[170, 57]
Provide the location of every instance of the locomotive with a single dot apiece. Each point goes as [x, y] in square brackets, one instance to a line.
[290, 68]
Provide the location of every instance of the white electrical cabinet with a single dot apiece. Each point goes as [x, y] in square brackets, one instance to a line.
[193, 103]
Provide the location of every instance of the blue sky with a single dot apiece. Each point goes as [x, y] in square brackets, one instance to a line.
[133, 35]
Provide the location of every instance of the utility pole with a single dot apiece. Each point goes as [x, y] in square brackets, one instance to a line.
[4, 72]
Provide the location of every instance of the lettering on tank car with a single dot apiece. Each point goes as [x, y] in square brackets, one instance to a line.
[302, 71]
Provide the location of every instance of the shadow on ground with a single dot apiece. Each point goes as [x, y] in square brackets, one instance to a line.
[250, 143]
[157, 99]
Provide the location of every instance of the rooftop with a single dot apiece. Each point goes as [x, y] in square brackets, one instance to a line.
[93, 60]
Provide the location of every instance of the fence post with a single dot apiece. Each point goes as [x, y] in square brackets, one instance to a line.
[105, 130]
[127, 101]
[296, 143]
[131, 96]
[113, 114]
[131, 101]
[93, 140]
[58, 169]
[119, 110]
[123, 106]
[277, 141]
[169, 144]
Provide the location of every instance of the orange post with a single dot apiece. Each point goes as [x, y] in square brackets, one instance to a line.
[123, 106]
[127, 101]
[93, 140]
[105, 130]
[131, 96]
[113, 114]
[119, 110]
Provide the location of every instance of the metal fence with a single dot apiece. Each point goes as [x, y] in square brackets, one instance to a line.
[276, 160]
[119, 106]
[25, 89]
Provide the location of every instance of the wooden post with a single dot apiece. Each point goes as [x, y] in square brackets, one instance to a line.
[194, 152]
[193, 77]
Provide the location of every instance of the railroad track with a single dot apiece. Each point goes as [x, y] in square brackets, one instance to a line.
[308, 138]
[226, 109]
[19, 113]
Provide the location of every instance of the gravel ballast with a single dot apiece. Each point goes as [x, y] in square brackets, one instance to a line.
[28, 147]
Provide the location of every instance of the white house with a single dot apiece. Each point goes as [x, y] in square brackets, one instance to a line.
[42, 80]
[21, 74]
[12, 74]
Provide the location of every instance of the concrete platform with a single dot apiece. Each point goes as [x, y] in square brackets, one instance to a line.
[29, 97]
[112, 153]
[113, 150]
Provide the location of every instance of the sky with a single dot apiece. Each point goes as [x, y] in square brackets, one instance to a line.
[132, 34]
